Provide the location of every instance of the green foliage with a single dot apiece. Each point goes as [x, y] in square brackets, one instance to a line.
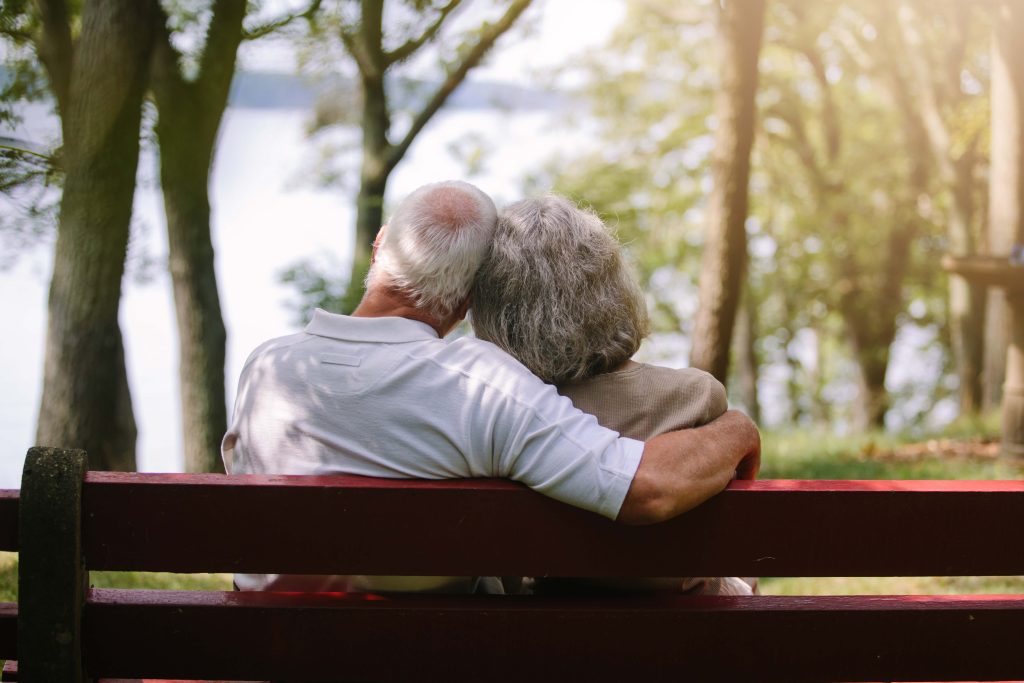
[317, 286]
[894, 585]
[836, 186]
[29, 170]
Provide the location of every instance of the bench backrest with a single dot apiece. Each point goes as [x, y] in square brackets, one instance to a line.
[350, 525]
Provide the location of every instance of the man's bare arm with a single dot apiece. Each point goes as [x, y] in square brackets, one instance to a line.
[680, 470]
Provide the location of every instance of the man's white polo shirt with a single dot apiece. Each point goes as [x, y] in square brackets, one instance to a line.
[385, 397]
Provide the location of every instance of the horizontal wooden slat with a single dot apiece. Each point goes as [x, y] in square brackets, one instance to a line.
[320, 637]
[9, 519]
[351, 525]
[8, 630]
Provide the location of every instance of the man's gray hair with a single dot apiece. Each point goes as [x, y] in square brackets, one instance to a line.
[555, 293]
[434, 244]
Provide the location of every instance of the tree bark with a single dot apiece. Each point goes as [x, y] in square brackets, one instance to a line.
[190, 114]
[966, 300]
[202, 336]
[1006, 183]
[724, 261]
[85, 401]
[373, 180]
[1006, 198]
[747, 368]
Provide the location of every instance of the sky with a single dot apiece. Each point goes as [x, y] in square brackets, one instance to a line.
[266, 216]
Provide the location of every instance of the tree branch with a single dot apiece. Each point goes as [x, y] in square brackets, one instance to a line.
[281, 22]
[17, 36]
[455, 77]
[829, 115]
[220, 53]
[365, 44]
[800, 143]
[404, 51]
[355, 49]
[911, 43]
[165, 74]
[26, 147]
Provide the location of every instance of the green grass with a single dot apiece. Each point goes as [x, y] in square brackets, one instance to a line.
[810, 454]
[150, 580]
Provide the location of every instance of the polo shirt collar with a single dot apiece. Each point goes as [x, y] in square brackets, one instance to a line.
[385, 330]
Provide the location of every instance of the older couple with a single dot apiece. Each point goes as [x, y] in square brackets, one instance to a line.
[381, 393]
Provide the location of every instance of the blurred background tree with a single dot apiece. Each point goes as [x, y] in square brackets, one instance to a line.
[869, 165]
[379, 38]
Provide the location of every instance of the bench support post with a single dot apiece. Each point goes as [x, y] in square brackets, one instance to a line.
[51, 570]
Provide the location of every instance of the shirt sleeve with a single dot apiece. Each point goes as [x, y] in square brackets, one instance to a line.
[558, 450]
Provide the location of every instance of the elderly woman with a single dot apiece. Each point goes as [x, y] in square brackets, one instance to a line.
[555, 293]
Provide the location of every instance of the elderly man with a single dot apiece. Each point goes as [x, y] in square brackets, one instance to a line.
[380, 393]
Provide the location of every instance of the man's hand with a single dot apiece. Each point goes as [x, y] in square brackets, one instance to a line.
[680, 470]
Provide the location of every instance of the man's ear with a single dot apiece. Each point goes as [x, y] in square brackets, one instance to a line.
[378, 241]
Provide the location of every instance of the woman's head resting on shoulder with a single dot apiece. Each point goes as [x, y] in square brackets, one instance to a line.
[555, 292]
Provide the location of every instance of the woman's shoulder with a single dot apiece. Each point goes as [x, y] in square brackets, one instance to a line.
[687, 376]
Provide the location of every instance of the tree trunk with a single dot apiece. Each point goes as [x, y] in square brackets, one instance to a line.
[871, 353]
[1006, 197]
[997, 339]
[85, 402]
[747, 368]
[369, 218]
[184, 168]
[724, 261]
[373, 182]
[190, 114]
[966, 300]
[1006, 180]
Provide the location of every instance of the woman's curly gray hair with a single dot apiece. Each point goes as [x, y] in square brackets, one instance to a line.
[555, 293]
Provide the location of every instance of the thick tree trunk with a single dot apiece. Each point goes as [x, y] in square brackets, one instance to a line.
[724, 260]
[85, 402]
[1006, 181]
[1006, 197]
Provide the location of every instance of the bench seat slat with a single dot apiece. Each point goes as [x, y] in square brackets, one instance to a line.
[353, 525]
[939, 638]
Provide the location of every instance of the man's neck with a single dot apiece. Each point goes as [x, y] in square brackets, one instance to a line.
[380, 302]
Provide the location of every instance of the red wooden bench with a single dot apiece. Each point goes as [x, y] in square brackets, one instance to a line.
[200, 523]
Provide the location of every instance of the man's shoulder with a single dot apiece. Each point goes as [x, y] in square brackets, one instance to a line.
[482, 361]
[271, 345]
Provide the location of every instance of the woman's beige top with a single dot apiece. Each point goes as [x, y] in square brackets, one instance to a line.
[641, 401]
